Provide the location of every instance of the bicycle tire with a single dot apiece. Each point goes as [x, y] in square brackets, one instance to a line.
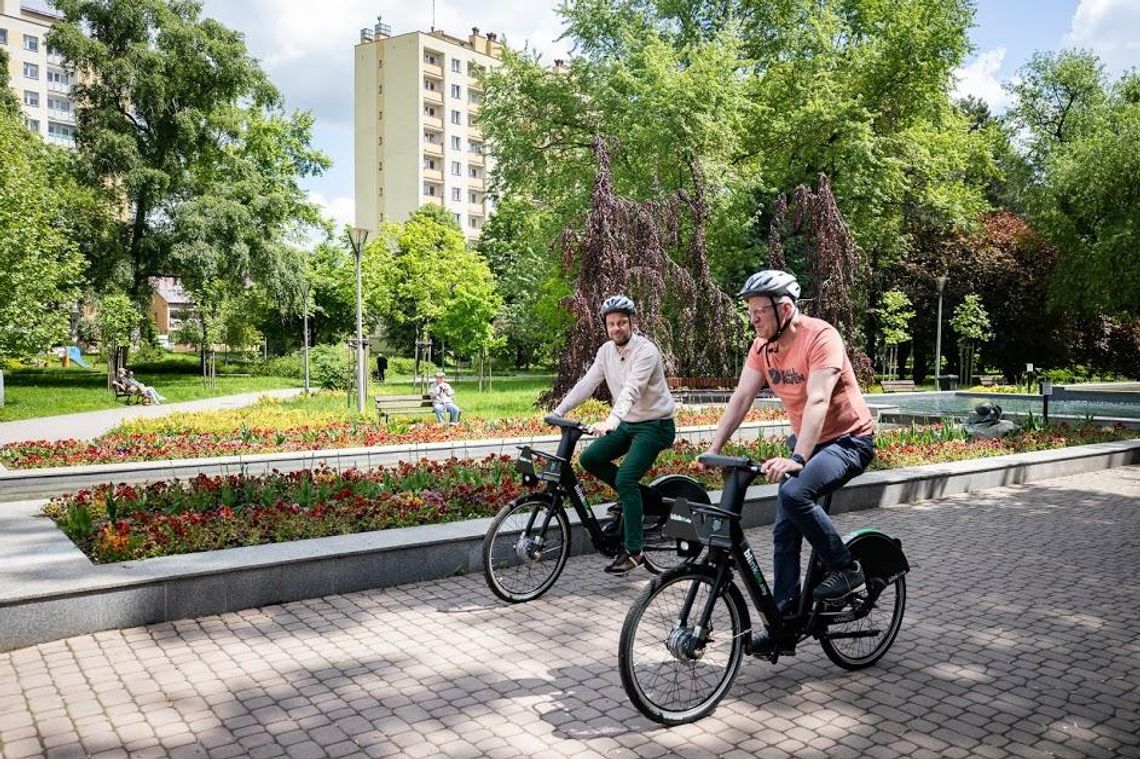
[671, 689]
[862, 642]
[515, 561]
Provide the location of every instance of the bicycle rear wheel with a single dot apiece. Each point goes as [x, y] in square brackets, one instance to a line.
[521, 561]
[862, 642]
[672, 673]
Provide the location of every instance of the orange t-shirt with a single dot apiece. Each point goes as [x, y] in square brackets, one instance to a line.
[817, 345]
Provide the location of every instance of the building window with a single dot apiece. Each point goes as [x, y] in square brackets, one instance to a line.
[429, 164]
[429, 84]
[458, 219]
[456, 65]
[63, 105]
[429, 111]
[475, 147]
[474, 173]
[456, 169]
[430, 59]
[58, 77]
[456, 193]
[63, 132]
[429, 189]
[32, 71]
[455, 142]
[456, 91]
[33, 124]
[473, 198]
[456, 117]
[31, 98]
[31, 43]
[3, 36]
[473, 222]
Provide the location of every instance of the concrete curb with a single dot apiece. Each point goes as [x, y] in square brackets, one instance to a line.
[51, 591]
[20, 484]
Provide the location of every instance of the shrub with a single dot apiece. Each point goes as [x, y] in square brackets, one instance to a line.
[330, 367]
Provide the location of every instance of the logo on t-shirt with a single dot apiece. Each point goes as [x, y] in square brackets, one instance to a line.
[786, 377]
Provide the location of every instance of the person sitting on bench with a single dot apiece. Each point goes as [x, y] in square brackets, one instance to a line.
[149, 394]
[443, 399]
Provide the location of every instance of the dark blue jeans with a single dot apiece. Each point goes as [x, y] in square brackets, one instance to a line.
[799, 516]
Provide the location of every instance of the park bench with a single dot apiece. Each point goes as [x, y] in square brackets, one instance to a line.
[990, 380]
[897, 386]
[122, 391]
[390, 405]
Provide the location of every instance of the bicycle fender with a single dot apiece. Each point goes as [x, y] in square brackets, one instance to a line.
[879, 554]
[684, 490]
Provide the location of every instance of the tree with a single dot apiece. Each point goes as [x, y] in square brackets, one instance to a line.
[40, 265]
[895, 313]
[117, 319]
[972, 325]
[178, 120]
[420, 274]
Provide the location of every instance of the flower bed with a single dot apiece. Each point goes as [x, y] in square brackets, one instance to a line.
[176, 438]
[208, 513]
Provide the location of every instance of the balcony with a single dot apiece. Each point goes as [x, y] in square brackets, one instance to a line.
[434, 97]
[433, 122]
[433, 149]
[63, 117]
[435, 72]
[474, 132]
[475, 183]
[437, 200]
[475, 209]
[433, 175]
[474, 159]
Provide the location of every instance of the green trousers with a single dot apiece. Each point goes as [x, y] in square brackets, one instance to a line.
[639, 442]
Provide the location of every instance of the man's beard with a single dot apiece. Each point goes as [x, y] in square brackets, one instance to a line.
[620, 343]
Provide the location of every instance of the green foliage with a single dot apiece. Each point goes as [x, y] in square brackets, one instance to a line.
[331, 367]
[40, 265]
[117, 318]
[895, 313]
[970, 320]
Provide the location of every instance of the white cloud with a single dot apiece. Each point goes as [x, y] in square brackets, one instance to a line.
[981, 78]
[340, 209]
[1109, 28]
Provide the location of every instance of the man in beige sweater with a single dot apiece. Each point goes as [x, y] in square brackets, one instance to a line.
[640, 424]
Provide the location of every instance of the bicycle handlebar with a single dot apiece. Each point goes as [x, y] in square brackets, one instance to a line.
[559, 421]
[726, 462]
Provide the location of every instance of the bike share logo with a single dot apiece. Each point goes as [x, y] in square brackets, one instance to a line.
[581, 491]
[750, 559]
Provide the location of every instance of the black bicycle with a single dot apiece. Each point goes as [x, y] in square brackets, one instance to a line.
[526, 547]
[684, 637]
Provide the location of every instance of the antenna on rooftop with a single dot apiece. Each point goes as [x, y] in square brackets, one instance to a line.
[433, 14]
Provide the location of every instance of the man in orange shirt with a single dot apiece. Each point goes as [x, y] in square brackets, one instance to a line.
[803, 361]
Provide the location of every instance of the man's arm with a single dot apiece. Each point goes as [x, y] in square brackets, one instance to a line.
[584, 388]
[747, 387]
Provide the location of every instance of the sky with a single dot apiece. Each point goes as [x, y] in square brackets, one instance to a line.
[306, 48]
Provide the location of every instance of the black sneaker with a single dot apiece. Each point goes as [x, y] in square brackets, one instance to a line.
[626, 562]
[764, 644]
[840, 583]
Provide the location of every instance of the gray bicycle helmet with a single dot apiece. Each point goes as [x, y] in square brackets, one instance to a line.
[771, 282]
[617, 303]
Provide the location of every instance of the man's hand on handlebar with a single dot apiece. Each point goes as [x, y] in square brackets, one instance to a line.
[601, 428]
[775, 469]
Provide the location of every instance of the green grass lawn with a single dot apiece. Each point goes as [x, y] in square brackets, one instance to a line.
[31, 393]
[503, 398]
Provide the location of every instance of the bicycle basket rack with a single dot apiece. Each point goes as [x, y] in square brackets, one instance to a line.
[713, 525]
[551, 470]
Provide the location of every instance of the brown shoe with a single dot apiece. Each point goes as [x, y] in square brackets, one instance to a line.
[626, 562]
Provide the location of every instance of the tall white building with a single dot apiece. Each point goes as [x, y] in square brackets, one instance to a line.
[38, 76]
[416, 102]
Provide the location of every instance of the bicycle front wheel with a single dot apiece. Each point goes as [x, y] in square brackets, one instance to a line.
[521, 560]
[672, 671]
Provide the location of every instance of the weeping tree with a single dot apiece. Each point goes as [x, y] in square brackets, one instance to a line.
[811, 232]
[654, 251]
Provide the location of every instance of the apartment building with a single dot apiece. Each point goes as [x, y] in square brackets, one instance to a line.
[37, 74]
[417, 139]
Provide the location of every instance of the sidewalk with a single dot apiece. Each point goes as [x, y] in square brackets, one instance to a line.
[92, 424]
[1019, 641]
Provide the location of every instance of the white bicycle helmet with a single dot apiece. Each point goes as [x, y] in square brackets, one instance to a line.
[772, 282]
[617, 303]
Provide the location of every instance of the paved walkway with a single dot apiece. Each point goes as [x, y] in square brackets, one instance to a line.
[1021, 639]
[92, 424]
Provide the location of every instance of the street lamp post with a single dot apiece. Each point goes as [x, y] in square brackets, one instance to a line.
[938, 336]
[305, 285]
[358, 236]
